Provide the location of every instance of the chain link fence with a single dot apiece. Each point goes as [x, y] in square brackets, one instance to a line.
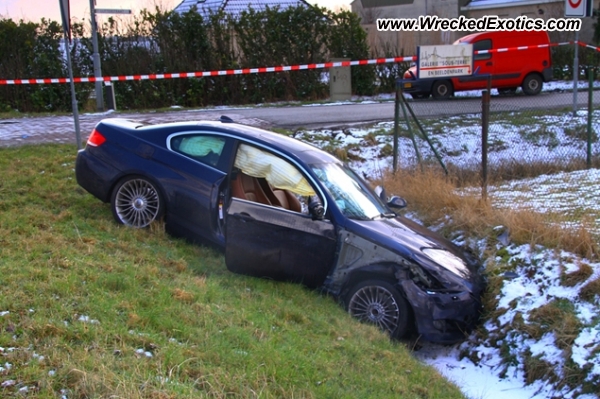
[542, 152]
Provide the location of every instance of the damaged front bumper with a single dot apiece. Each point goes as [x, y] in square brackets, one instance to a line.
[443, 317]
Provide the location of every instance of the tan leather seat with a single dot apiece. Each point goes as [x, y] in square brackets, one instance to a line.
[259, 190]
[288, 200]
[280, 197]
[248, 188]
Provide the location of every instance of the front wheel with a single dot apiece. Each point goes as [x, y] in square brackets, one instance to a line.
[379, 303]
[136, 202]
[442, 89]
[532, 84]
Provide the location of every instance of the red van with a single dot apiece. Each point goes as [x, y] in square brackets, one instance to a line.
[528, 69]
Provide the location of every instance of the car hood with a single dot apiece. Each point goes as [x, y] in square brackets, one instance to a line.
[408, 238]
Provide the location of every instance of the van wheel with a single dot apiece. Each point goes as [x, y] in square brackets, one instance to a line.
[442, 89]
[532, 84]
[380, 303]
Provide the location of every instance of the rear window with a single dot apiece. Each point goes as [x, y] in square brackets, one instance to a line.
[202, 148]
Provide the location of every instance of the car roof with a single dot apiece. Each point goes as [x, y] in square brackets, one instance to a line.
[303, 151]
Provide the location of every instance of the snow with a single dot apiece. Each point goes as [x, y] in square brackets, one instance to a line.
[538, 282]
[490, 377]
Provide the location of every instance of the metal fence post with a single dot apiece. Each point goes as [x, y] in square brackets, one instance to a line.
[485, 123]
[396, 123]
[575, 73]
[589, 116]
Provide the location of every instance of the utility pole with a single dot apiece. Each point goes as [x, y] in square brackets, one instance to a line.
[576, 73]
[577, 9]
[96, 59]
[66, 22]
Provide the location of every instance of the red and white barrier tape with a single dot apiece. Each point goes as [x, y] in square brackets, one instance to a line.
[210, 73]
[582, 44]
[245, 71]
[519, 48]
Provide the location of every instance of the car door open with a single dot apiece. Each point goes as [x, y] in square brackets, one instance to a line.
[268, 230]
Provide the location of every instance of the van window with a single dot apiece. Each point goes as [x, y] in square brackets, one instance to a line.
[482, 45]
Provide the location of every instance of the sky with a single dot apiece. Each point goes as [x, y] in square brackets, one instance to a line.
[35, 10]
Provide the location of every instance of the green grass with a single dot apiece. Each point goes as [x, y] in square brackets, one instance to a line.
[99, 310]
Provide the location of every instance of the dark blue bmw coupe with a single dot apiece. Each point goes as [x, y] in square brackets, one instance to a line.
[285, 210]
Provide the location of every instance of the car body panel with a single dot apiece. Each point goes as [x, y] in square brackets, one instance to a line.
[278, 244]
[385, 249]
[330, 251]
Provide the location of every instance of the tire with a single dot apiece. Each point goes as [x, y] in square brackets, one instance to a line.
[442, 90]
[532, 84]
[508, 91]
[136, 202]
[380, 303]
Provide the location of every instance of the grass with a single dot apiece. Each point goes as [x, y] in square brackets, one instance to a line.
[89, 308]
[471, 213]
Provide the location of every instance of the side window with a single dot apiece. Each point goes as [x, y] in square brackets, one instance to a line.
[482, 45]
[263, 177]
[203, 148]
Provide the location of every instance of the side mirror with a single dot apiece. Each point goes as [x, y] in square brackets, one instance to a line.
[397, 202]
[315, 208]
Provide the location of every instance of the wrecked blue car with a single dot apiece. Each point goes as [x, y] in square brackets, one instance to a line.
[285, 210]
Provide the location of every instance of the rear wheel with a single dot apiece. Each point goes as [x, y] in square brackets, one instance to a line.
[136, 202]
[379, 303]
[442, 89]
[532, 84]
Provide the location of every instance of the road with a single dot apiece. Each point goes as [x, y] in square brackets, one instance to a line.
[61, 128]
[344, 114]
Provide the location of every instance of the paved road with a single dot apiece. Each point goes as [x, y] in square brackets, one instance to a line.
[61, 128]
[344, 114]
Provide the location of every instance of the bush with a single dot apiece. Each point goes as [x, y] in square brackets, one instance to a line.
[32, 51]
[169, 42]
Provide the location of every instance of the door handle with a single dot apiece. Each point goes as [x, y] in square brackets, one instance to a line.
[245, 217]
[489, 63]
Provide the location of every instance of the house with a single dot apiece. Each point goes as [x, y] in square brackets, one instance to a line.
[405, 42]
[393, 43]
[544, 9]
[235, 7]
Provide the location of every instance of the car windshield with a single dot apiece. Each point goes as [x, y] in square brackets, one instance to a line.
[350, 194]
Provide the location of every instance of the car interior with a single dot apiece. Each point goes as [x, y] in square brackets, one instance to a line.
[258, 189]
[263, 177]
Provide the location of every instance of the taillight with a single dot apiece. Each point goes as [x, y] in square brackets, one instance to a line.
[96, 139]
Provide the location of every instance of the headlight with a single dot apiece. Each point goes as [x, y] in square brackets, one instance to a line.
[448, 261]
